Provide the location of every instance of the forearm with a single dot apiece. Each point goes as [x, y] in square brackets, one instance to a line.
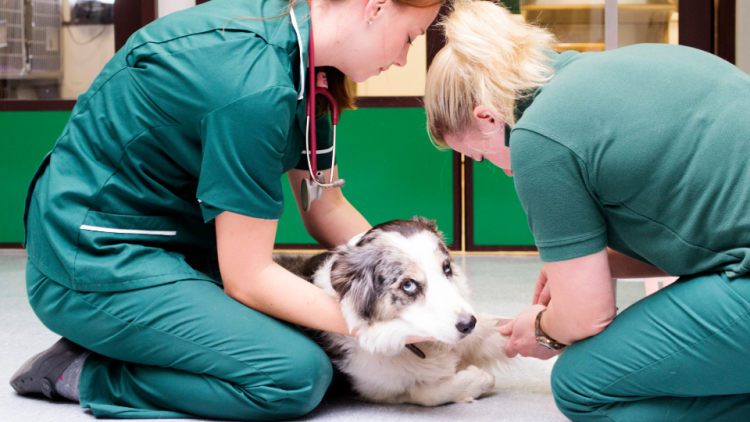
[276, 292]
[566, 327]
[335, 225]
[623, 266]
[582, 298]
[332, 220]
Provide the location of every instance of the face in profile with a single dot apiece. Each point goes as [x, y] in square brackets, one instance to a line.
[367, 49]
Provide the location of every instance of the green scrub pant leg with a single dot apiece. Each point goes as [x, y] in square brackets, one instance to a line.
[183, 350]
[681, 354]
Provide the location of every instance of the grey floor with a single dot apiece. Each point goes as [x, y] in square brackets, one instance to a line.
[502, 285]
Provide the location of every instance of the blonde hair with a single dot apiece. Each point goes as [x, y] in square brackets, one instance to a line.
[489, 59]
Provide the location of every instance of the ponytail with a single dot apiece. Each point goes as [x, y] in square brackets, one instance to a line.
[489, 59]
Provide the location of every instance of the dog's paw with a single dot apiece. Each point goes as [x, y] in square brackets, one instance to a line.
[473, 383]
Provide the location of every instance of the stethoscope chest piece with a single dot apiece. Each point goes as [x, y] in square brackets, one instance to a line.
[310, 192]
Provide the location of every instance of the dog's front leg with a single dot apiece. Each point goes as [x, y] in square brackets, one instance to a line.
[485, 347]
[463, 387]
[384, 338]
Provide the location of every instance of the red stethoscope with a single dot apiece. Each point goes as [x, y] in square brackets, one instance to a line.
[312, 188]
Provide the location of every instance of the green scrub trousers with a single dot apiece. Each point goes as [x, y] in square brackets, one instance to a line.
[182, 350]
[681, 354]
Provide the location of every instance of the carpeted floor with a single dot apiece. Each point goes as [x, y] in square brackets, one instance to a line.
[502, 285]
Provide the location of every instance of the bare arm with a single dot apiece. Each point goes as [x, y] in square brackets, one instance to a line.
[623, 266]
[250, 276]
[332, 220]
[583, 298]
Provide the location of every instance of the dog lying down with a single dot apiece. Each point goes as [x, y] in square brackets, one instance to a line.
[395, 280]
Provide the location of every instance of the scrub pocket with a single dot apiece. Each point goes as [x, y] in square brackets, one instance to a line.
[123, 252]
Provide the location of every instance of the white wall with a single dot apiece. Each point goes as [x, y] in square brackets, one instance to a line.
[407, 81]
[743, 35]
[166, 7]
[86, 49]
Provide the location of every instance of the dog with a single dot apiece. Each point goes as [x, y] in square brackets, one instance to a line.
[397, 280]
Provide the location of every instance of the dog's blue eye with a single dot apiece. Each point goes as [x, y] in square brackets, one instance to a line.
[409, 287]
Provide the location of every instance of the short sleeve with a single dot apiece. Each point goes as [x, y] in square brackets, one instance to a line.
[243, 147]
[550, 179]
[324, 145]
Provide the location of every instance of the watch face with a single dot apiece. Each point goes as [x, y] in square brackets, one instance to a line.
[547, 346]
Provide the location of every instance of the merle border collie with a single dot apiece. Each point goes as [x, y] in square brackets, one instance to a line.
[395, 280]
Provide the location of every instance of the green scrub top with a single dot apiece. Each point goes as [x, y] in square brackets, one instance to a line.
[644, 149]
[197, 114]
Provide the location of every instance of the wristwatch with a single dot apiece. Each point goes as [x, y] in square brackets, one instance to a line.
[544, 339]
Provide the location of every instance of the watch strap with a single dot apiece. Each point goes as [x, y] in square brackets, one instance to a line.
[542, 338]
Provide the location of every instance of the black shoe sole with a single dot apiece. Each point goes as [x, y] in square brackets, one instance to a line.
[38, 374]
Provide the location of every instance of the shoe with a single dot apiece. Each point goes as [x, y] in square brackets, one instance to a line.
[39, 374]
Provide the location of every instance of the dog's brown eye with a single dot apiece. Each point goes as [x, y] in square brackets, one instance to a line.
[410, 287]
[447, 269]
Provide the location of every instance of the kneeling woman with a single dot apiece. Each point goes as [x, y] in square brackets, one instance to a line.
[166, 186]
[628, 163]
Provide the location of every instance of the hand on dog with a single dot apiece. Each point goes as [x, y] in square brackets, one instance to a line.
[523, 338]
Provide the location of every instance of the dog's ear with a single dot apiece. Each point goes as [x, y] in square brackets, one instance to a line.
[353, 277]
[430, 224]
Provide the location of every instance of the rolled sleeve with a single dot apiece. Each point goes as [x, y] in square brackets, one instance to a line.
[243, 147]
[564, 216]
[324, 145]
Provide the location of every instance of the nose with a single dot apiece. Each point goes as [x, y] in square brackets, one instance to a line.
[466, 324]
[401, 59]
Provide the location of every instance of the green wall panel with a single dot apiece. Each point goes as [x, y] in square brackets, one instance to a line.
[391, 168]
[499, 219]
[25, 138]
[391, 171]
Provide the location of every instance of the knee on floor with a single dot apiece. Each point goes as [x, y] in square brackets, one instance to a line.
[572, 388]
[301, 381]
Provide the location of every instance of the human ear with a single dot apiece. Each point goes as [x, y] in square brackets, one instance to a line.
[373, 9]
[487, 121]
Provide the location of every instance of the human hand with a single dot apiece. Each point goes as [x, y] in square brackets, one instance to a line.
[541, 291]
[523, 337]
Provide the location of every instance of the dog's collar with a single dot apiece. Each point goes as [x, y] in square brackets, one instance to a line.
[414, 349]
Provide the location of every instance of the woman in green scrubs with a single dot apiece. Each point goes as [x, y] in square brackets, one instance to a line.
[628, 163]
[151, 224]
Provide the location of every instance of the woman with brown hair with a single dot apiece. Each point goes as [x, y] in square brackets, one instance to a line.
[151, 224]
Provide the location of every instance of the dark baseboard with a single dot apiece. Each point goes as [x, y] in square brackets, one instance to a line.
[11, 246]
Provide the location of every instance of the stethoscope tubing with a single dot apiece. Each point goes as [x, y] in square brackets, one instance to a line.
[311, 148]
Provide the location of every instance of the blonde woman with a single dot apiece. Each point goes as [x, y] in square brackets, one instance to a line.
[628, 163]
[151, 225]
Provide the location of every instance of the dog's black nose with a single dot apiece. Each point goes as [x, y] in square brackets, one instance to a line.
[466, 324]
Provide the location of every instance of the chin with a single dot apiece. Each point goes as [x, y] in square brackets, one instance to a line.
[358, 78]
